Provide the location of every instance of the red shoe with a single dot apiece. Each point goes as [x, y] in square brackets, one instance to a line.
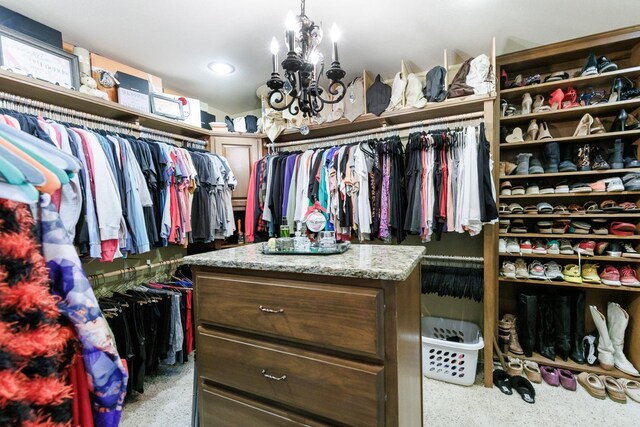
[628, 276]
[556, 98]
[585, 247]
[569, 100]
[610, 276]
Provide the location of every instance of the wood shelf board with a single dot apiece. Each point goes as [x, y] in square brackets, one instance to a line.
[455, 106]
[566, 174]
[66, 98]
[572, 236]
[630, 134]
[573, 366]
[571, 216]
[578, 48]
[569, 284]
[590, 194]
[584, 258]
[574, 113]
[576, 83]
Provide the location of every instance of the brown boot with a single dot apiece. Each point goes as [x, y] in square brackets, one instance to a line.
[504, 334]
[514, 344]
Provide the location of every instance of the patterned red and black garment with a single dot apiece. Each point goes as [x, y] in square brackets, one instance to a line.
[36, 349]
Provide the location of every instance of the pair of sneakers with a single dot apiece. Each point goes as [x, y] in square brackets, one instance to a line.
[519, 269]
[616, 277]
[589, 273]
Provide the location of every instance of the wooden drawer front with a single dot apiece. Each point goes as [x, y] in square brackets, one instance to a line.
[223, 409]
[340, 317]
[344, 391]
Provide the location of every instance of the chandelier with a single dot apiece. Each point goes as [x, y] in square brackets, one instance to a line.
[301, 83]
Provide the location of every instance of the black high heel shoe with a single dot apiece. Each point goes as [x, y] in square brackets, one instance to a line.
[616, 90]
[618, 124]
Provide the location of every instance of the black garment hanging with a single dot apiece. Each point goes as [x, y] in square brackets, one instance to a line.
[458, 281]
[488, 209]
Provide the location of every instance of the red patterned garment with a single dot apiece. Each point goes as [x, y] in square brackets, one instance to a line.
[35, 348]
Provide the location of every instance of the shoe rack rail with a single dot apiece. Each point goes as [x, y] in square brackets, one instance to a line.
[621, 47]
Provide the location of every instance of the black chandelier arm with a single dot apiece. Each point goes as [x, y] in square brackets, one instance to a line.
[334, 91]
[280, 97]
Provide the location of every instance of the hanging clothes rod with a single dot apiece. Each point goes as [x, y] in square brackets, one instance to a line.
[439, 120]
[44, 107]
[132, 270]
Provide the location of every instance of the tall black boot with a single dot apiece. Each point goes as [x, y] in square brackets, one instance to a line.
[546, 335]
[526, 323]
[562, 317]
[577, 327]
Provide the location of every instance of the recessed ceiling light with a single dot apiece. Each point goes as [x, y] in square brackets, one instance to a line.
[222, 68]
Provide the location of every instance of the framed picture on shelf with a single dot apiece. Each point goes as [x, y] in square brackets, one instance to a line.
[31, 57]
[166, 106]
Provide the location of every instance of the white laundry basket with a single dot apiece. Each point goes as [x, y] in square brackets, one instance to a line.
[450, 361]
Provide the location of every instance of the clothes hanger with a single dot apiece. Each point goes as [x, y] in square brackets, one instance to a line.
[51, 173]
[32, 175]
[57, 158]
[16, 187]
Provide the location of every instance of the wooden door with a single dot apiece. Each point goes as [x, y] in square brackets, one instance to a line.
[241, 153]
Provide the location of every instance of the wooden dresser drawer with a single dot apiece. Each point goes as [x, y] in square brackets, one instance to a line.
[342, 390]
[338, 317]
[221, 408]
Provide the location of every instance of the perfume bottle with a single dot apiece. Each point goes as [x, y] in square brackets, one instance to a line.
[240, 234]
[284, 228]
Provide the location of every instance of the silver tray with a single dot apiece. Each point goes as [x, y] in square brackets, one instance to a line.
[339, 249]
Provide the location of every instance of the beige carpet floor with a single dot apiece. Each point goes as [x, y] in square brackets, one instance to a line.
[167, 403]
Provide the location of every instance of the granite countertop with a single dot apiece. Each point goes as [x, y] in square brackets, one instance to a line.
[381, 262]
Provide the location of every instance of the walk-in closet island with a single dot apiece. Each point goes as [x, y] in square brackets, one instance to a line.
[313, 340]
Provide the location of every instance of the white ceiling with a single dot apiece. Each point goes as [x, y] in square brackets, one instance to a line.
[177, 39]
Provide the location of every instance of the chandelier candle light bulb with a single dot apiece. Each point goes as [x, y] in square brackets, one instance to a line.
[274, 51]
[335, 35]
[290, 24]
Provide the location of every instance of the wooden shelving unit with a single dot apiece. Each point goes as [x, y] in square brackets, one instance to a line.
[48, 93]
[623, 46]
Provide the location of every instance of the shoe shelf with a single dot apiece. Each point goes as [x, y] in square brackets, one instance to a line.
[572, 366]
[574, 113]
[584, 258]
[572, 236]
[571, 216]
[569, 284]
[605, 79]
[583, 194]
[567, 174]
[607, 136]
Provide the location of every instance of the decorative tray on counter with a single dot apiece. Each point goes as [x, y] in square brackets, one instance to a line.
[313, 250]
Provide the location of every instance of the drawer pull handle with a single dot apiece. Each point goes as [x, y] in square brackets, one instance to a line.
[270, 310]
[271, 377]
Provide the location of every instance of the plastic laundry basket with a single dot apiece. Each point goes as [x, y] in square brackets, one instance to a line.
[446, 360]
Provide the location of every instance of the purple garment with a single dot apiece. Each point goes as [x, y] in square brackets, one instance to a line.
[384, 200]
[107, 376]
[288, 174]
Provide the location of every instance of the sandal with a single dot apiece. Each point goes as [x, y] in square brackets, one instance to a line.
[561, 210]
[629, 207]
[575, 208]
[532, 370]
[503, 209]
[531, 209]
[569, 100]
[544, 208]
[610, 206]
[515, 208]
[592, 207]
[524, 388]
[501, 380]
